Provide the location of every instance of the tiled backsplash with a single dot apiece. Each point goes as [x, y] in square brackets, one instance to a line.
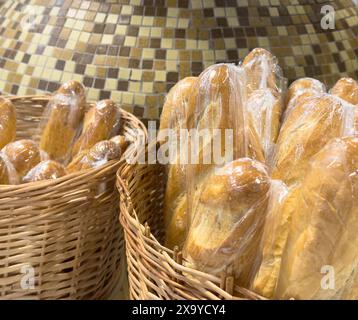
[134, 50]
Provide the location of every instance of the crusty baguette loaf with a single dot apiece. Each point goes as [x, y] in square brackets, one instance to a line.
[264, 100]
[314, 227]
[300, 90]
[98, 155]
[306, 130]
[62, 121]
[346, 89]
[228, 217]
[323, 229]
[45, 170]
[101, 122]
[23, 155]
[8, 174]
[7, 122]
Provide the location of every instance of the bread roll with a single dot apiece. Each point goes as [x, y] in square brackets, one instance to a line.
[62, 121]
[300, 90]
[100, 123]
[45, 170]
[264, 101]
[8, 174]
[228, 218]
[324, 224]
[346, 89]
[314, 122]
[23, 154]
[7, 122]
[121, 142]
[98, 155]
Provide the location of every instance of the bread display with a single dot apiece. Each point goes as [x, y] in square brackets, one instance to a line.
[98, 155]
[45, 170]
[7, 122]
[121, 142]
[62, 121]
[23, 155]
[101, 122]
[228, 218]
[264, 99]
[322, 228]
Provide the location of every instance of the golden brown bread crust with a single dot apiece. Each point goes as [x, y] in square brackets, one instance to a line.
[303, 85]
[175, 108]
[100, 123]
[121, 142]
[324, 225]
[8, 174]
[98, 155]
[228, 217]
[346, 89]
[7, 122]
[315, 226]
[62, 121]
[307, 129]
[23, 155]
[45, 170]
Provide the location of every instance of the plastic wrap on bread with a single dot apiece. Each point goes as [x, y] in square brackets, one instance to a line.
[45, 170]
[300, 90]
[23, 155]
[229, 212]
[346, 89]
[8, 174]
[62, 121]
[101, 122]
[7, 122]
[265, 86]
[316, 242]
[98, 155]
[306, 130]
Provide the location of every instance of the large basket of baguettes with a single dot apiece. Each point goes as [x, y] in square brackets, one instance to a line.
[59, 232]
[270, 213]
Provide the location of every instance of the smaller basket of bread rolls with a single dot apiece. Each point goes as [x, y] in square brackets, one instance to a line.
[258, 200]
[59, 231]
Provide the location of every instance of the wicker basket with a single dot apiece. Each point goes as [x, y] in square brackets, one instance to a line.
[60, 239]
[154, 271]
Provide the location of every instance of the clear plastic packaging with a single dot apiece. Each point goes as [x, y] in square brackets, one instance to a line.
[121, 142]
[346, 89]
[306, 130]
[45, 170]
[7, 122]
[300, 90]
[313, 253]
[23, 155]
[101, 122]
[229, 211]
[265, 86]
[98, 155]
[8, 174]
[62, 121]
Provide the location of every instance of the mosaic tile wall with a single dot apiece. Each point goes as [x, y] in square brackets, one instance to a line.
[134, 50]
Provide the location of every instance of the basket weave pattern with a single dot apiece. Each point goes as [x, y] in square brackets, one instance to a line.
[154, 271]
[65, 232]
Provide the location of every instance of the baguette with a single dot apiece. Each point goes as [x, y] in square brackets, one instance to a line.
[228, 218]
[45, 170]
[101, 122]
[346, 89]
[62, 121]
[7, 122]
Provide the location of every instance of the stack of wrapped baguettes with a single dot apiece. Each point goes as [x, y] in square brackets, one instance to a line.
[71, 139]
[283, 215]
